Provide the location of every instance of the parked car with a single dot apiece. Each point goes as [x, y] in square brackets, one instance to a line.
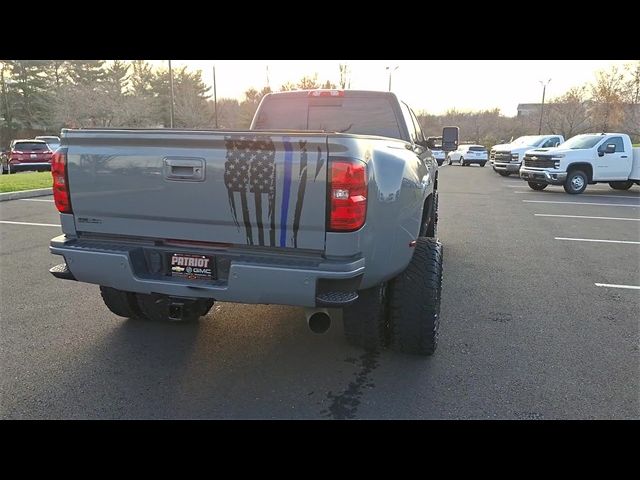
[584, 160]
[468, 154]
[507, 158]
[52, 141]
[435, 144]
[290, 212]
[439, 155]
[28, 155]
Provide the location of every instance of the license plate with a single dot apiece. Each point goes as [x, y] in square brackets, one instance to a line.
[192, 267]
[34, 155]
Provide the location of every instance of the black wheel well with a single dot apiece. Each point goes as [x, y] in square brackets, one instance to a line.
[585, 167]
[426, 211]
[426, 208]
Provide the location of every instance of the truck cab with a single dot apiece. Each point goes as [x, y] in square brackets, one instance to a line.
[584, 160]
[507, 158]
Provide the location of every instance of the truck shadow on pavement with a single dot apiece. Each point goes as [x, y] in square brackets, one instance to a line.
[241, 361]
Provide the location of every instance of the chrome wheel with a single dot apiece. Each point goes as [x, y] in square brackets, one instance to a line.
[577, 182]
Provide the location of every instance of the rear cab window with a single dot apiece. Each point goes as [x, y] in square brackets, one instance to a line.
[360, 115]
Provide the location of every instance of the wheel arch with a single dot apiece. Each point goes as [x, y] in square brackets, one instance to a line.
[584, 166]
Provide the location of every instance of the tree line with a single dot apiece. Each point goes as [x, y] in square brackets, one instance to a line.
[43, 96]
[610, 103]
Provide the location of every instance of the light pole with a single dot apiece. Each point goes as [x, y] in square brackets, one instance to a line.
[171, 86]
[215, 96]
[544, 89]
[390, 72]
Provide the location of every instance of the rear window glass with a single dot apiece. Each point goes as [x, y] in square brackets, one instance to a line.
[477, 149]
[30, 146]
[358, 115]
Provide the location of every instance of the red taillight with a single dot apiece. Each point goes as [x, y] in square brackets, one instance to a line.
[60, 181]
[348, 194]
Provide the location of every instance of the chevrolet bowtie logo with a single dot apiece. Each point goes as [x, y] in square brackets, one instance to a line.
[534, 158]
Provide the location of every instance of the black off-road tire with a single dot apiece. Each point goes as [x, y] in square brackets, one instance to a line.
[621, 185]
[537, 186]
[569, 184]
[504, 174]
[121, 303]
[366, 322]
[462, 164]
[414, 300]
[156, 308]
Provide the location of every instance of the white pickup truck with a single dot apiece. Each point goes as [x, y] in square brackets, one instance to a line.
[507, 158]
[584, 160]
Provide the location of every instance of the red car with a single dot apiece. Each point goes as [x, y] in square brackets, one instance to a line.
[28, 155]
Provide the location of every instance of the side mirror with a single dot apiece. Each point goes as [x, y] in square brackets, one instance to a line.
[610, 148]
[556, 144]
[450, 136]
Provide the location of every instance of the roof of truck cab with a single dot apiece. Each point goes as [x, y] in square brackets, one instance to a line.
[351, 93]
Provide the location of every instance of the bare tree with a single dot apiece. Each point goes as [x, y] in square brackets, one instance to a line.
[631, 105]
[569, 113]
[190, 109]
[308, 82]
[345, 81]
[607, 95]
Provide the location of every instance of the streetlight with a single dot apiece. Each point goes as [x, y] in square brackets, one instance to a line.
[171, 85]
[215, 95]
[390, 72]
[544, 89]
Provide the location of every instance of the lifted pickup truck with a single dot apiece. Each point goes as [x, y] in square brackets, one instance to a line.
[329, 200]
[584, 160]
[507, 158]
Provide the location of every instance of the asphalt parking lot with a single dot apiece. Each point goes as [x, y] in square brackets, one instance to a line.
[538, 322]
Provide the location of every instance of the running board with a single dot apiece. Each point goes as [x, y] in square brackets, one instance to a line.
[336, 299]
[62, 271]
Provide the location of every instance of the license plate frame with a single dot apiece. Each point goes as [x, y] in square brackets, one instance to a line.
[192, 267]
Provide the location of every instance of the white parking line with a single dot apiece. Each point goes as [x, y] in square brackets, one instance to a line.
[584, 216]
[34, 200]
[611, 285]
[585, 203]
[28, 223]
[595, 240]
[589, 195]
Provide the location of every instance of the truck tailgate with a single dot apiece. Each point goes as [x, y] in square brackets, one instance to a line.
[242, 188]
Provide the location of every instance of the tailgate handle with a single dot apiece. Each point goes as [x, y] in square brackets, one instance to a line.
[185, 169]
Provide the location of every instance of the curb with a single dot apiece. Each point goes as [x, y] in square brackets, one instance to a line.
[38, 192]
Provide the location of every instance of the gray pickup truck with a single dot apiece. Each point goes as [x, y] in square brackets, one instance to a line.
[328, 201]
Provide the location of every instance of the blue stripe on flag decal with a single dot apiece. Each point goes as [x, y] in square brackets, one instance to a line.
[286, 190]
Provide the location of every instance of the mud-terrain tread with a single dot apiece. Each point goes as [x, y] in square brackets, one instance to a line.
[414, 300]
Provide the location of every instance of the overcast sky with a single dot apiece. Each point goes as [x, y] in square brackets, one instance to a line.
[431, 85]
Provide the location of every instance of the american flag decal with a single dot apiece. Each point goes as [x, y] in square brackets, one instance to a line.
[250, 168]
[250, 171]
